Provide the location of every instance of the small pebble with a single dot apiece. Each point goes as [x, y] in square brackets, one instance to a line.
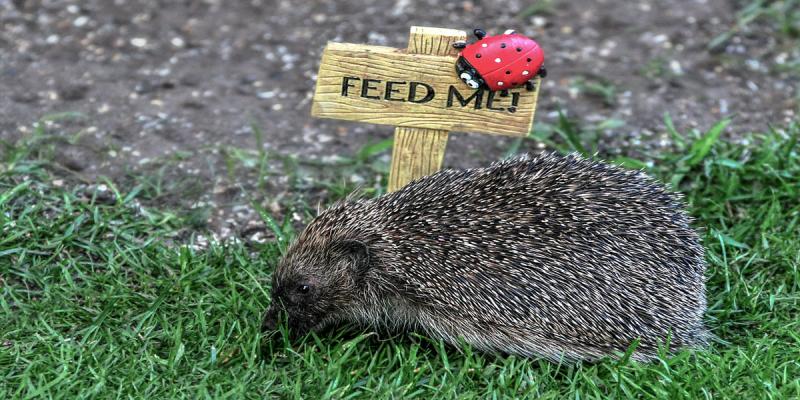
[80, 21]
[139, 42]
[675, 67]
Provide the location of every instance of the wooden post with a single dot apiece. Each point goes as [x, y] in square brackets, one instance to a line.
[418, 91]
[419, 152]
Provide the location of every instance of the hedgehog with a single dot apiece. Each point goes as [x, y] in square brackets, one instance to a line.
[555, 257]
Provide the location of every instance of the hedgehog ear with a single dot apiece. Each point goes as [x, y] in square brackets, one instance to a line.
[355, 253]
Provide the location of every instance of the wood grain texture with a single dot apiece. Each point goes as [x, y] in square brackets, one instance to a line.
[353, 84]
[385, 64]
[418, 152]
[434, 41]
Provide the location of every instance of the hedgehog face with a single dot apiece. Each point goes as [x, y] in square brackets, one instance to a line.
[310, 286]
[296, 301]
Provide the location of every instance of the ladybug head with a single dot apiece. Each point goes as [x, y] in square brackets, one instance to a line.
[468, 74]
[468, 79]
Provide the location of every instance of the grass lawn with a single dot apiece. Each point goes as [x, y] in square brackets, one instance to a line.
[102, 297]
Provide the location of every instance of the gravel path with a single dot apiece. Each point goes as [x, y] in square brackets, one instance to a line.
[168, 80]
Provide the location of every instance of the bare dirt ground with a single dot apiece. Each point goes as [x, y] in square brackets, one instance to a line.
[170, 89]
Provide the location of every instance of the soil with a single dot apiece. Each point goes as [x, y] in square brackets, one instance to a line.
[168, 88]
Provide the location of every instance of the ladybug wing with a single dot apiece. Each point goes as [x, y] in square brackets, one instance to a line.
[515, 73]
[530, 50]
[497, 80]
[480, 55]
[516, 59]
[522, 42]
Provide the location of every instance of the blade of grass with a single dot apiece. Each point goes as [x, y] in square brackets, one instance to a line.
[702, 147]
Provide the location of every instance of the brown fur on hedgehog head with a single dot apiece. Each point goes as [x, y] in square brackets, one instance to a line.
[321, 274]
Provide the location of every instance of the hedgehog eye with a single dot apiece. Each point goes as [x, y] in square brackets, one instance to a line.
[303, 289]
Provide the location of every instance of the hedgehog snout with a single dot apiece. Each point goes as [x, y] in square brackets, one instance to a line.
[270, 321]
[298, 323]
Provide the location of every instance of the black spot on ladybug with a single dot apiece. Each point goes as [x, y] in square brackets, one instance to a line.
[508, 72]
[502, 45]
[478, 55]
[529, 60]
[519, 49]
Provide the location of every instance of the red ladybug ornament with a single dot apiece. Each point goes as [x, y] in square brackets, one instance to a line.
[500, 62]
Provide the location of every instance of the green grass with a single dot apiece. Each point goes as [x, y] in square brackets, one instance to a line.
[781, 18]
[596, 87]
[102, 298]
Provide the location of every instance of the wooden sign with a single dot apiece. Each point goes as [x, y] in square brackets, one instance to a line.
[418, 91]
